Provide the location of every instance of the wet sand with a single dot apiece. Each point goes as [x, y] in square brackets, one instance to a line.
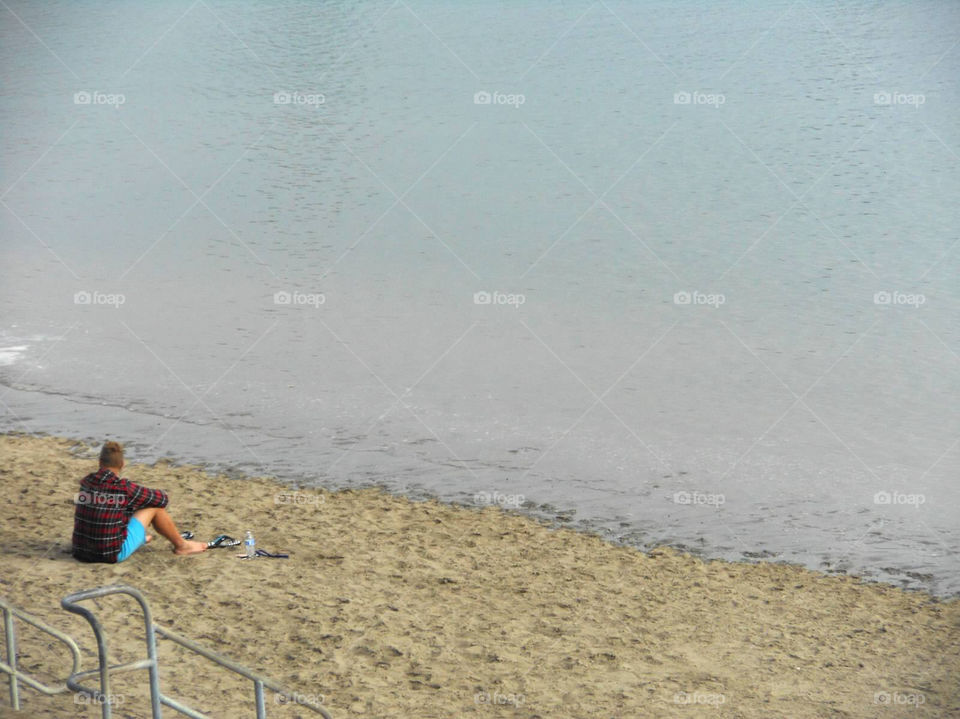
[393, 608]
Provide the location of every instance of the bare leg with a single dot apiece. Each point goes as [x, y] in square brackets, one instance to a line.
[163, 523]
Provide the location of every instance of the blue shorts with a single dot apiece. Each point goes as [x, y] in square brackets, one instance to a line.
[136, 538]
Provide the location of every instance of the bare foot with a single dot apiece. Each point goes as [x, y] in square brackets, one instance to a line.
[149, 538]
[190, 547]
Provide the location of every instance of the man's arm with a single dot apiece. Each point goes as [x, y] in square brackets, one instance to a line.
[139, 496]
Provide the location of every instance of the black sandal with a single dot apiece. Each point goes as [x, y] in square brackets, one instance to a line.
[224, 540]
[264, 553]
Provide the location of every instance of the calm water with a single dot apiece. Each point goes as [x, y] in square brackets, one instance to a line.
[168, 168]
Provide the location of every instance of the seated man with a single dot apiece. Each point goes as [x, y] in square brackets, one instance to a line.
[112, 515]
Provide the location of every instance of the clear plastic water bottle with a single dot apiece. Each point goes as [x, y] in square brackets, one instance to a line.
[250, 544]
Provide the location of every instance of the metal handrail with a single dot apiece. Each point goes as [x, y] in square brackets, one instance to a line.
[9, 666]
[106, 699]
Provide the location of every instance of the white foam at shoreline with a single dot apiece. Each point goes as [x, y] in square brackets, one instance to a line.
[9, 355]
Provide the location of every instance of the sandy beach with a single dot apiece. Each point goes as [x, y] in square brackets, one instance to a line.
[393, 608]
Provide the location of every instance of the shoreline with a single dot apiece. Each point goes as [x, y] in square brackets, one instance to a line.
[395, 607]
[910, 562]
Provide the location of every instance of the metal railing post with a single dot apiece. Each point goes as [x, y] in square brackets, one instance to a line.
[103, 696]
[258, 692]
[154, 670]
[11, 640]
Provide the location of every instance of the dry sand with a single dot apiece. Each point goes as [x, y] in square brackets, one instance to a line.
[391, 608]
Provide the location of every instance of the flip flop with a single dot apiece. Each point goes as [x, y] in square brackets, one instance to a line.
[271, 555]
[264, 553]
[224, 540]
[186, 535]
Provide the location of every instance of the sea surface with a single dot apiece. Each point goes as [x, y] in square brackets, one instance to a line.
[680, 273]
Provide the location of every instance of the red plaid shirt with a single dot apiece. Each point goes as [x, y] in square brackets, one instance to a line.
[104, 506]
